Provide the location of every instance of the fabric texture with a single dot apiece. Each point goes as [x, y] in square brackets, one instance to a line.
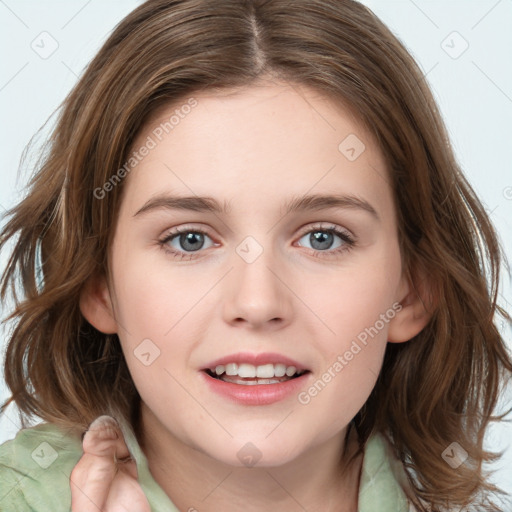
[35, 467]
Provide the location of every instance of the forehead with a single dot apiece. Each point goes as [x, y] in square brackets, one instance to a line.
[253, 142]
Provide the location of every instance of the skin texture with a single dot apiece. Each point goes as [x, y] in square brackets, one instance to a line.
[254, 148]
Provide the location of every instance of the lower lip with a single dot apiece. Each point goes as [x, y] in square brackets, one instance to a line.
[257, 394]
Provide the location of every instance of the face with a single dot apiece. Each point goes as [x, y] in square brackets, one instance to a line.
[317, 286]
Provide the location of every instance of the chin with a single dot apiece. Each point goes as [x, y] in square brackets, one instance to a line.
[258, 453]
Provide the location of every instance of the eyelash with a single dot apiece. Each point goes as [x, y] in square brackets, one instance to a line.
[349, 242]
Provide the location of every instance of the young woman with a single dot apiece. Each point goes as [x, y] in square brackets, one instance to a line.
[254, 274]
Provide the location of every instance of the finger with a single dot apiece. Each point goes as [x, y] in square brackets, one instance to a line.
[104, 439]
[126, 494]
[92, 477]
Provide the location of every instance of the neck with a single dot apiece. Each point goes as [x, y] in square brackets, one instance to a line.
[320, 479]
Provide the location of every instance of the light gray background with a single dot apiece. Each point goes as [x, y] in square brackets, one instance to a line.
[472, 85]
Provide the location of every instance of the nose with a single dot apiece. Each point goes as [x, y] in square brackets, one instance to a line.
[258, 294]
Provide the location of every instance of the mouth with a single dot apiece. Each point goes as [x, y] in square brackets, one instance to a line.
[248, 378]
[255, 380]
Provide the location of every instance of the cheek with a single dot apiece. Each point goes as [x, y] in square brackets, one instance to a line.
[354, 297]
[356, 307]
[352, 355]
[153, 315]
[148, 312]
[150, 299]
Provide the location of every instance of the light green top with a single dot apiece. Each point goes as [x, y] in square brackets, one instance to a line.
[36, 465]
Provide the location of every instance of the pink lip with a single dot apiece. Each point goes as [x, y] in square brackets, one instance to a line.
[256, 360]
[258, 394]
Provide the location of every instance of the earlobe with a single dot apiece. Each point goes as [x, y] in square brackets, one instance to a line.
[418, 304]
[96, 305]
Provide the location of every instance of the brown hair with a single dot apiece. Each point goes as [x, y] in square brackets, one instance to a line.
[438, 388]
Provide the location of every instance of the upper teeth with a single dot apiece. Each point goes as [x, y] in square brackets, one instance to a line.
[265, 371]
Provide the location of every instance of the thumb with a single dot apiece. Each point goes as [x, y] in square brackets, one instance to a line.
[92, 478]
[104, 439]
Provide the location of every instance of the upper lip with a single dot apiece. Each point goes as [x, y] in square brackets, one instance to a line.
[256, 360]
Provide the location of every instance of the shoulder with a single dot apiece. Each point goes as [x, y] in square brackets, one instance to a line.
[383, 479]
[35, 468]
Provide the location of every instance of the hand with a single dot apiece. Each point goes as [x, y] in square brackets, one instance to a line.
[105, 478]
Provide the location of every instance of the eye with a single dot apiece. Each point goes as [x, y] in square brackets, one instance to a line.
[183, 241]
[322, 239]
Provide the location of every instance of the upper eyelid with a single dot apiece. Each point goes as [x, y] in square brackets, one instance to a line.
[327, 226]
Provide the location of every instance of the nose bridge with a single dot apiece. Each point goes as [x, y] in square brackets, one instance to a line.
[258, 293]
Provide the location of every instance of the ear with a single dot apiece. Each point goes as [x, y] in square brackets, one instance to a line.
[418, 303]
[96, 305]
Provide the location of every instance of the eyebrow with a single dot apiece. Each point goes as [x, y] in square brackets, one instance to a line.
[295, 204]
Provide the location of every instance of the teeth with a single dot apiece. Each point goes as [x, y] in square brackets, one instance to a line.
[290, 371]
[265, 371]
[249, 382]
[231, 369]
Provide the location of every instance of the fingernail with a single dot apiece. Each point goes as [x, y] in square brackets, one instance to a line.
[104, 427]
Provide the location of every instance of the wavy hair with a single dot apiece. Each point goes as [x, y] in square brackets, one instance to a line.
[440, 388]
